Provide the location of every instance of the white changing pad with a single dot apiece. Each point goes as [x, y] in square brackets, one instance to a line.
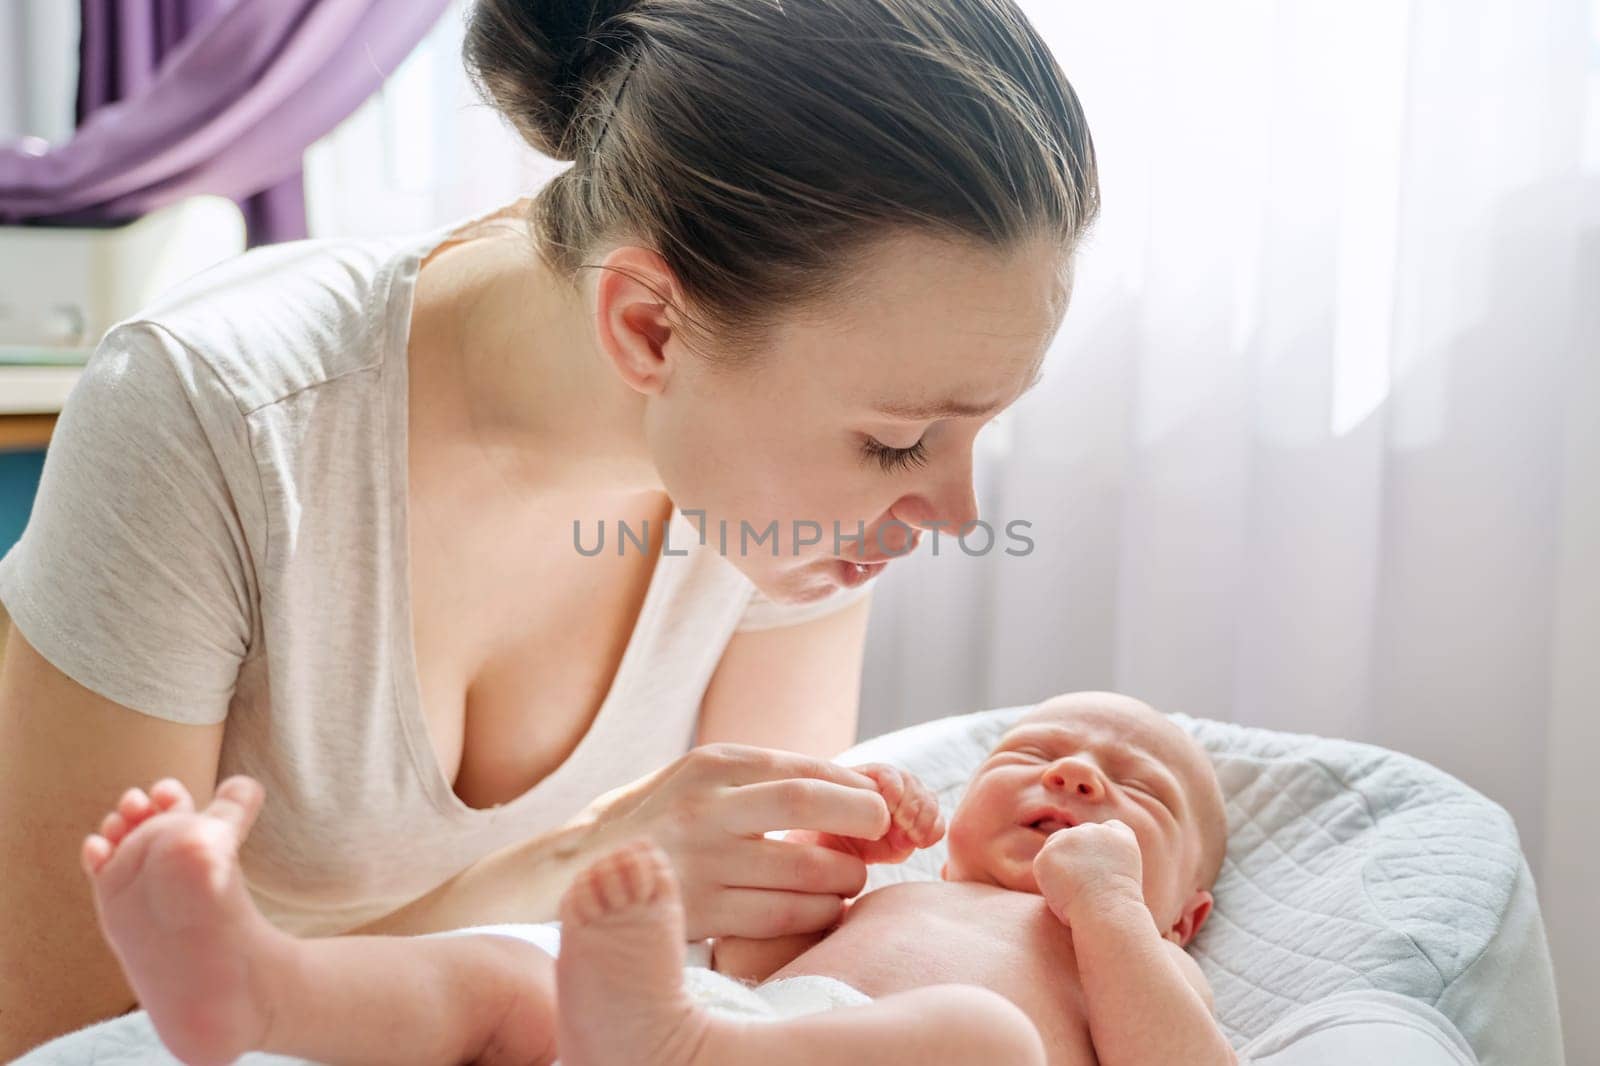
[1350, 868]
[1356, 879]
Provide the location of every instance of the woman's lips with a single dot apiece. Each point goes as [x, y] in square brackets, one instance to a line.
[852, 575]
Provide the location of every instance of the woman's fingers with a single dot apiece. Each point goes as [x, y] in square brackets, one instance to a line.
[761, 913]
[741, 764]
[791, 867]
[804, 803]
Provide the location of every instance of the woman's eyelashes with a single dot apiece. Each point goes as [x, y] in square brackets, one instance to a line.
[895, 459]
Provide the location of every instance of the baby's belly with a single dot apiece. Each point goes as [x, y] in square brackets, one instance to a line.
[915, 935]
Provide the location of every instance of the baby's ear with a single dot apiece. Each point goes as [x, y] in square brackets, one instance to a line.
[1195, 912]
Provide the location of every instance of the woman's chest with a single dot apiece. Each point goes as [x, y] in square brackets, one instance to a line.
[359, 739]
[518, 635]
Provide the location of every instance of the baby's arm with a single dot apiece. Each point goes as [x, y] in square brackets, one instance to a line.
[1147, 1003]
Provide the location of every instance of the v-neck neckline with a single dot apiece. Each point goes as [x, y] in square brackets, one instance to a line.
[401, 287]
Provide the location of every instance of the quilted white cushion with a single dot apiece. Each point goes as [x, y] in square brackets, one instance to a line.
[1349, 867]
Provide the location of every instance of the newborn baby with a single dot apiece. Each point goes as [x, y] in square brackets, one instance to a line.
[1080, 864]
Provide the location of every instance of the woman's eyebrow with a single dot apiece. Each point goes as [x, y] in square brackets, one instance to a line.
[924, 411]
[932, 409]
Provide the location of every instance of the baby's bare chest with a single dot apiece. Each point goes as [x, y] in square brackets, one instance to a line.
[928, 933]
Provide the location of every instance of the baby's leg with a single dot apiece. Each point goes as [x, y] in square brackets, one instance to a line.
[218, 979]
[622, 997]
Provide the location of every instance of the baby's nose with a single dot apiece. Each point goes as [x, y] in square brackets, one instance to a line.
[1077, 777]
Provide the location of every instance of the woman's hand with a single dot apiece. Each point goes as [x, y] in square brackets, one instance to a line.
[710, 810]
[914, 820]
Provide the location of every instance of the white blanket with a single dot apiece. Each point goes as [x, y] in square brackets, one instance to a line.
[1368, 901]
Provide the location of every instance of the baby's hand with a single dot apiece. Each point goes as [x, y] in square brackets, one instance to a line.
[1094, 861]
[914, 819]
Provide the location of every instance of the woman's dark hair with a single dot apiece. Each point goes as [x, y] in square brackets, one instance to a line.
[761, 146]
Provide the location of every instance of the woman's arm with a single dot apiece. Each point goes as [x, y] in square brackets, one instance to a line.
[66, 756]
[710, 811]
[519, 883]
[796, 688]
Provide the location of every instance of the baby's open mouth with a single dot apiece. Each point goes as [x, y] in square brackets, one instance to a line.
[1050, 824]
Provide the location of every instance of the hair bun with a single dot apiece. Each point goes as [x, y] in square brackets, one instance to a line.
[536, 61]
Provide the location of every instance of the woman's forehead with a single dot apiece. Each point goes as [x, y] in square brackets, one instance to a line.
[929, 324]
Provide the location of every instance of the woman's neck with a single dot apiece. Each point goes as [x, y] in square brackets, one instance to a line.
[513, 368]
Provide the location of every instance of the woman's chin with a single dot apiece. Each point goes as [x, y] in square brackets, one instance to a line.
[806, 583]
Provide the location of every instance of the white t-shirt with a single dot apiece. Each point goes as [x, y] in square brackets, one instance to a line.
[220, 534]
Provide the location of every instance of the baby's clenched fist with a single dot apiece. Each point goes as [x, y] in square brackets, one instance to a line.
[1094, 861]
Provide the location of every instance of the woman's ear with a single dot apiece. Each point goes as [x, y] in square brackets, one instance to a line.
[633, 299]
[1194, 915]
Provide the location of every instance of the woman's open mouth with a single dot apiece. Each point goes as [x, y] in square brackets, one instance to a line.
[852, 575]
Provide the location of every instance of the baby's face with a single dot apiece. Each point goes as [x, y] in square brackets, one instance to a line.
[1094, 757]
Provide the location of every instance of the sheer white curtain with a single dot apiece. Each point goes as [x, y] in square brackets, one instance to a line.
[1317, 448]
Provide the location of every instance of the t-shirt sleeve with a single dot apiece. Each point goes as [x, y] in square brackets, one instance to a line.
[762, 613]
[132, 576]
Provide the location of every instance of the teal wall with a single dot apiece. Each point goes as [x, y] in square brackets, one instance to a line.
[19, 477]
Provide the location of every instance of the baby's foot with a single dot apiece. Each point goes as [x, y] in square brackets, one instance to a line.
[619, 977]
[173, 905]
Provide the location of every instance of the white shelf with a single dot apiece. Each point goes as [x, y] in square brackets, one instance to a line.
[35, 390]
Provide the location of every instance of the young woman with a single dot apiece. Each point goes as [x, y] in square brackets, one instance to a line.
[327, 515]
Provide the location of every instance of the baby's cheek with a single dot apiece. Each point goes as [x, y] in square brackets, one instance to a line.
[1157, 868]
[964, 845]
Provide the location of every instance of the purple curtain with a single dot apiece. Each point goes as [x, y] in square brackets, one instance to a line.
[178, 97]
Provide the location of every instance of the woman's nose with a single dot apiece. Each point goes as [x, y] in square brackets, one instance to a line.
[949, 505]
[1076, 777]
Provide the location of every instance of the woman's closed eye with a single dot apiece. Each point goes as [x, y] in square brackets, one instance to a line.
[893, 459]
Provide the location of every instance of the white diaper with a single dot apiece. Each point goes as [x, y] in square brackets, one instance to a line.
[719, 993]
[773, 1001]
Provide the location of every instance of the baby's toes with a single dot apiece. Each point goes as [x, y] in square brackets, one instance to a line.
[637, 872]
[168, 794]
[135, 807]
[114, 827]
[94, 854]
